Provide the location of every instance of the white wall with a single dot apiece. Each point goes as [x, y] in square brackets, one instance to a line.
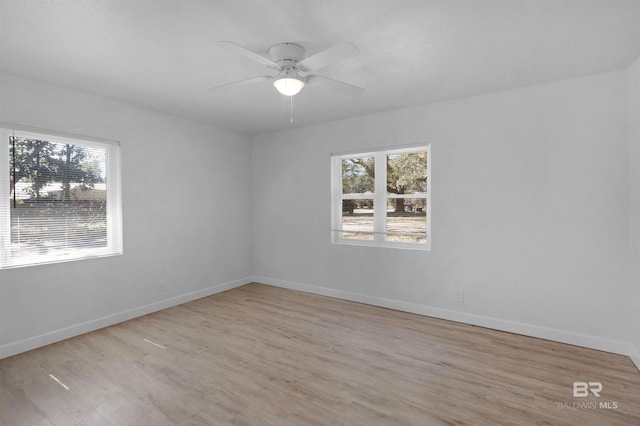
[634, 168]
[530, 212]
[187, 229]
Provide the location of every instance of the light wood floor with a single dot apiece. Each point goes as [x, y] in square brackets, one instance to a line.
[260, 355]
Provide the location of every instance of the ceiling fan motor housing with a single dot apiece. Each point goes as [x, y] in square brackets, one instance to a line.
[287, 54]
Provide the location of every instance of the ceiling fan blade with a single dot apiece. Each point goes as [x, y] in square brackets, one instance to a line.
[335, 85]
[330, 56]
[250, 54]
[245, 82]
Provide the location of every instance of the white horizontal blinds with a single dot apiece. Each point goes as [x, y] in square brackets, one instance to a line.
[64, 200]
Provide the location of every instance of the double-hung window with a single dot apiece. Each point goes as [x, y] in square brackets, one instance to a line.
[60, 198]
[382, 198]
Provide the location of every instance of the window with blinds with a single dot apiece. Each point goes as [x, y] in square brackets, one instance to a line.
[382, 198]
[61, 198]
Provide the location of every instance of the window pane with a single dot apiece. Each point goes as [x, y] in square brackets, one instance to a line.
[357, 219]
[407, 220]
[407, 173]
[401, 217]
[358, 175]
[58, 200]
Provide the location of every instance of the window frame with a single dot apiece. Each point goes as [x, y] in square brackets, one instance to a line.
[114, 245]
[380, 198]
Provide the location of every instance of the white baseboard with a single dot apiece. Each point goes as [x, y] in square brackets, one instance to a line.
[30, 343]
[557, 335]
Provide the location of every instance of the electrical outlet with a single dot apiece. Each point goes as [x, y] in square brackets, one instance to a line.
[459, 296]
[163, 288]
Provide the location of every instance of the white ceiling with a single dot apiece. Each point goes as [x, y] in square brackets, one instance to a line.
[163, 55]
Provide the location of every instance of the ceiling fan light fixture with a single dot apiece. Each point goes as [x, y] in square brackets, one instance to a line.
[289, 86]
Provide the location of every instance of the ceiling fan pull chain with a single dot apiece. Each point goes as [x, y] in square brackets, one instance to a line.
[291, 110]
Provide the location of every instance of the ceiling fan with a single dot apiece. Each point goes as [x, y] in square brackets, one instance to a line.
[293, 67]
